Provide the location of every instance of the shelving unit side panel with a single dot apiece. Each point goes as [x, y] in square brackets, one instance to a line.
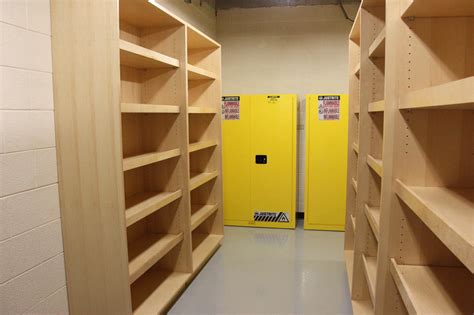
[89, 155]
[218, 227]
[367, 193]
[353, 137]
[388, 299]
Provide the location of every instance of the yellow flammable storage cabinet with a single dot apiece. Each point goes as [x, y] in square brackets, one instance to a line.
[326, 161]
[259, 160]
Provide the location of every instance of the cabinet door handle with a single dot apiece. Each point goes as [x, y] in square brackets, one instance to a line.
[261, 159]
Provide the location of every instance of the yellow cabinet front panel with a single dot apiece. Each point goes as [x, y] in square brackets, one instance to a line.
[235, 161]
[326, 161]
[259, 162]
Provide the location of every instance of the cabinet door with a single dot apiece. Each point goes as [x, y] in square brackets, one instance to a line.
[236, 159]
[273, 165]
[326, 161]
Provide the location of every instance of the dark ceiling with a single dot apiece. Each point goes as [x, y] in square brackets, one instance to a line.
[229, 4]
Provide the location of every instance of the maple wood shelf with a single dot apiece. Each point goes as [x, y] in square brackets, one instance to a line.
[453, 95]
[449, 213]
[136, 56]
[430, 290]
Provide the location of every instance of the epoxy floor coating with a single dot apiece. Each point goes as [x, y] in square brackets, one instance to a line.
[271, 271]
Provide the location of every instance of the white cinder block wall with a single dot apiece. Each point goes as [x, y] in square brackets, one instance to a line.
[32, 278]
[298, 50]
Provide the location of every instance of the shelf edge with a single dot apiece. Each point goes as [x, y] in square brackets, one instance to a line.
[149, 108]
[453, 95]
[134, 214]
[141, 160]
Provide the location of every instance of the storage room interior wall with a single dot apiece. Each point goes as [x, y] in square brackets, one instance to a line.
[32, 278]
[299, 50]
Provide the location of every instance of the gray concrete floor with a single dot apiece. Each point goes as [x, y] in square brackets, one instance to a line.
[270, 271]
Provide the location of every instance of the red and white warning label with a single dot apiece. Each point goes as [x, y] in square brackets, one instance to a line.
[329, 107]
[231, 107]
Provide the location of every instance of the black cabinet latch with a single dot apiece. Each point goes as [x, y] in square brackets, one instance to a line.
[261, 159]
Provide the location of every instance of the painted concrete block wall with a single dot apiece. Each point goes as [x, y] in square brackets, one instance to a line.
[300, 50]
[32, 277]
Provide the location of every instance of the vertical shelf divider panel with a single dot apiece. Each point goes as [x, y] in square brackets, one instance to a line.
[368, 184]
[125, 166]
[204, 140]
[366, 146]
[353, 149]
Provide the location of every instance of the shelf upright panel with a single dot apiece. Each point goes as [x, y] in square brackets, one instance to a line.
[205, 144]
[89, 155]
[353, 147]
[368, 183]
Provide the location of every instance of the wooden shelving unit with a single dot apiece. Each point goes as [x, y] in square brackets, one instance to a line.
[149, 201]
[204, 143]
[413, 249]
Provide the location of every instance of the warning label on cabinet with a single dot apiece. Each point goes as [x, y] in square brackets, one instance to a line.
[329, 107]
[260, 216]
[231, 107]
[273, 99]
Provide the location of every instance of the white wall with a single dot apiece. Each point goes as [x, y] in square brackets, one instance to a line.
[32, 277]
[202, 17]
[299, 50]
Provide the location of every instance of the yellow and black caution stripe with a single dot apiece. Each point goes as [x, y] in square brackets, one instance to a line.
[260, 216]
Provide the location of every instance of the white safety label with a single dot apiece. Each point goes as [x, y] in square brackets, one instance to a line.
[231, 107]
[329, 107]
